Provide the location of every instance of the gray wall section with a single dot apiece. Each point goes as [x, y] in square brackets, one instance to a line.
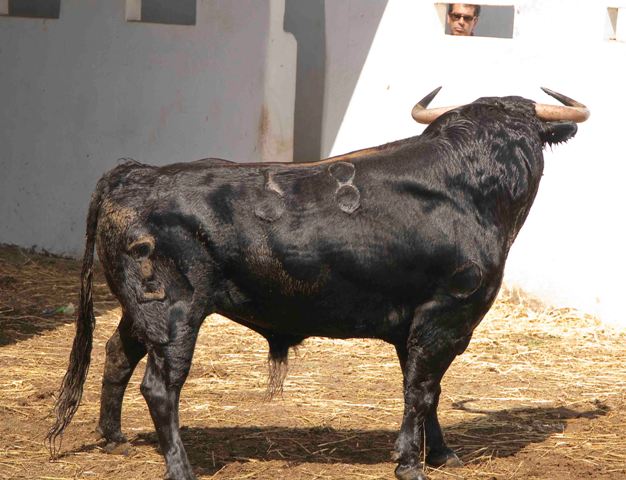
[83, 91]
[80, 92]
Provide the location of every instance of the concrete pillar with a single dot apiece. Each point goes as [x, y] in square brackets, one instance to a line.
[276, 125]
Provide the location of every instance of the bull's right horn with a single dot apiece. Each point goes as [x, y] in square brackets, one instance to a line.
[421, 114]
[573, 111]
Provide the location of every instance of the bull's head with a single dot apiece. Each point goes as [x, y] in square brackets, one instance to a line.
[572, 111]
[560, 119]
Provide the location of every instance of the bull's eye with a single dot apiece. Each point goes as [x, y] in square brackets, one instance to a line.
[140, 251]
[142, 247]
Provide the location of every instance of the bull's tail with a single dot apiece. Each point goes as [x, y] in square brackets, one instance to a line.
[72, 387]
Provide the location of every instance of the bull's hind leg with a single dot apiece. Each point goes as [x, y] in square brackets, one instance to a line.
[166, 372]
[123, 352]
[441, 330]
[437, 451]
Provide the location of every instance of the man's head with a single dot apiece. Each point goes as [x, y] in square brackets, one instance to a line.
[462, 18]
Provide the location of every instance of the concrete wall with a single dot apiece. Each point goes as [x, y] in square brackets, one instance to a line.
[253, 80]
[82, 91]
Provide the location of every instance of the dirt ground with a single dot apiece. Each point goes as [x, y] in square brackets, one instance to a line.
[539, 394]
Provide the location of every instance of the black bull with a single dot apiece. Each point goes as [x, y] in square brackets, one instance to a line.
[405, 242]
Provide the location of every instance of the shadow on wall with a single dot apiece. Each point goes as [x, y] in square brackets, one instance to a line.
[306, 20]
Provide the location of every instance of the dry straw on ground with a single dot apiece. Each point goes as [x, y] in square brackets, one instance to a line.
[539, 394]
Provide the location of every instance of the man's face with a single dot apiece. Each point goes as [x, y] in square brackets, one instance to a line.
[461, 19]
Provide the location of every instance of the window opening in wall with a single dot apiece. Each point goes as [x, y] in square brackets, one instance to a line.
[31, 8]
[615, 28]
[466, 19]
[180, 12]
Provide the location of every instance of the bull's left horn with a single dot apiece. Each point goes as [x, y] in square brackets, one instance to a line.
[573, 111]
[421, 114]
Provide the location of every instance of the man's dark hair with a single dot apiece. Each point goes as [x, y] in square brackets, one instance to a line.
[476, 8]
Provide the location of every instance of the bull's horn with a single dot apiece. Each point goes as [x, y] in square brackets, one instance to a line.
[421, 114]
[574, 111]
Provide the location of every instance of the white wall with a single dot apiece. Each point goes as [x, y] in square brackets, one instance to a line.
[569, 250]
[80, 92]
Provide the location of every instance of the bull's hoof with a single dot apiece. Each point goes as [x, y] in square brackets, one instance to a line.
[410, 472]
[115, 448]
[443, 458]
[118, 437]
[181, 475]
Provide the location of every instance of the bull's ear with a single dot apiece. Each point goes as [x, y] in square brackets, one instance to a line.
[558, 132]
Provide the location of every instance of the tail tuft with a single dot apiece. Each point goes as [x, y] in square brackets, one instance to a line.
[71, 392]
[278, 361]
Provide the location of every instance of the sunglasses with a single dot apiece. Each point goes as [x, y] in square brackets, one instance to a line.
[458, 16]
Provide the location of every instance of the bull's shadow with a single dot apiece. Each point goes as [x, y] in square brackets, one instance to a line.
[491, 434]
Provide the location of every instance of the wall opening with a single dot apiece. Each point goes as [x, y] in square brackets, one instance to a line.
[615, 28]
[180, 12]
[496, 21]
[31, 8]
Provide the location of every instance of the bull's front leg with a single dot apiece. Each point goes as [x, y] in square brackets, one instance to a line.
[433, 342]
[437, 451]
